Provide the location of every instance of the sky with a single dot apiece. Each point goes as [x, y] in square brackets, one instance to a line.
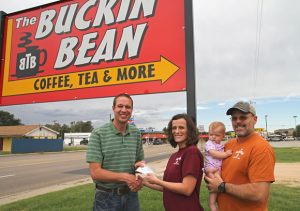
[244, 50]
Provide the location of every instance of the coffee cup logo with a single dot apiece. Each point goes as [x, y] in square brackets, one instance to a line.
[29, 62]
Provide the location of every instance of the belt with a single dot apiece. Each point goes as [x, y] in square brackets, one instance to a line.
[119, 191]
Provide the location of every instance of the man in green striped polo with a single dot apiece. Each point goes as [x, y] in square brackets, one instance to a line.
[115, 150]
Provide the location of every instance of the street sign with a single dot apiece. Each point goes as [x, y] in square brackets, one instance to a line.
[201, 128]
[90, 49]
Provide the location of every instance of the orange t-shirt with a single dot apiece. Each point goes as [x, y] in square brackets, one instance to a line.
[253, 160]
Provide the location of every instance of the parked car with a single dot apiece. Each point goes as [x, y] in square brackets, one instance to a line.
[289, 138]
[84, 142]
[275, 138]
[157, 142]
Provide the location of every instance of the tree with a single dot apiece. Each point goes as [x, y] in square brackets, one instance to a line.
[65, 129]
[75, 127]
[61, 129]
[8, 119]
[165, 130]
[81, 126]
[56, 126]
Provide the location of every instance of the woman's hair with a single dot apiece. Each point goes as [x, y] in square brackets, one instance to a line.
[192, 131]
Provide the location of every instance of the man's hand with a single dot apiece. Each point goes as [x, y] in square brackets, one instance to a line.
[141, 163]
[135, 185]
[213, 182]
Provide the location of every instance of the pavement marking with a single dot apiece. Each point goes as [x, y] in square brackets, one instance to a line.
[36, 163]
[162, 153]
[10, 175]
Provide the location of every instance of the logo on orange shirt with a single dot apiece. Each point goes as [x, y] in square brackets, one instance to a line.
[238, 154]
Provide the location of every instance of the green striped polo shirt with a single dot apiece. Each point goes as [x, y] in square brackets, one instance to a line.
[116, 152]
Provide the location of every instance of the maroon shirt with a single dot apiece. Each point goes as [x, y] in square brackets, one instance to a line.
[187, 161]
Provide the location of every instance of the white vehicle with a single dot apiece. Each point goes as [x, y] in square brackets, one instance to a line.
[289, 138]
[274, 138]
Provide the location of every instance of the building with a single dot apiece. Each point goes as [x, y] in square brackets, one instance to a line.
[24, 138]
[285, 132]
[151, 137]
[72, 139]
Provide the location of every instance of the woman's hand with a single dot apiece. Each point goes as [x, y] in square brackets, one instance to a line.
[151, 178]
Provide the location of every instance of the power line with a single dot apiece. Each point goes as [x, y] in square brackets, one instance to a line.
[259, 16]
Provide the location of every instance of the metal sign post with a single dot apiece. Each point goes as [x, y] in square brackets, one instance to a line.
[190, 61]
[2, 18]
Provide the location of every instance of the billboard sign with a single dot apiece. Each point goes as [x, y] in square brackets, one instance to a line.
[93, 48]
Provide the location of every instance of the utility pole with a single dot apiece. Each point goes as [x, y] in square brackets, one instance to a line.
[266, 119]
[295, 117]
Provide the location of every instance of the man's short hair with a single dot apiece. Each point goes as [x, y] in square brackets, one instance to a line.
[122, 95]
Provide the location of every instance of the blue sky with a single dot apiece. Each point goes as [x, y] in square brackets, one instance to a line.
[279, 113]
[244, 50]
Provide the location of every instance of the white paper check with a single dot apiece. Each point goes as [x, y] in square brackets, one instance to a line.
[144, 170]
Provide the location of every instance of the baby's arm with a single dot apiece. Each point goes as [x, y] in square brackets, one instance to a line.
[220, 155]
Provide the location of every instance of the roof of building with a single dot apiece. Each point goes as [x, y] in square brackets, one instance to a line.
[19, 130]
[203, 136]
[154, 135]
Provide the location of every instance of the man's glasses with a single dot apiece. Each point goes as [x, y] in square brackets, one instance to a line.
[241, 118]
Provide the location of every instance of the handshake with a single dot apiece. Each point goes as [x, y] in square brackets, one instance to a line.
[144, 175]
[148, 177]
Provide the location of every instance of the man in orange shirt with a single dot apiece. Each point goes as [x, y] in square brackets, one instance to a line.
[247, 174]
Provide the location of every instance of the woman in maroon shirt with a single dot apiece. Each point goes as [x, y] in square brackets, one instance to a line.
[183, 174]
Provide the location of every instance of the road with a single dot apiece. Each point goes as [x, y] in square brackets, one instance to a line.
[27, 172]
[22, 176]
[23, 173]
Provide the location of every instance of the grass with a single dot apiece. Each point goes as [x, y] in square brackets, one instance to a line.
[287, 155]
[66, 149]
[4, 153]
[75, 148]
[80, 198]
[283, 155]
[284, 198]
[76, 198]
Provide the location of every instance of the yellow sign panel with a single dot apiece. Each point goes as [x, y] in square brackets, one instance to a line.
[160, 70]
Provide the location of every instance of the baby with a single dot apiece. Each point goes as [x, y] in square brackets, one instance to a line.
[214, 153]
